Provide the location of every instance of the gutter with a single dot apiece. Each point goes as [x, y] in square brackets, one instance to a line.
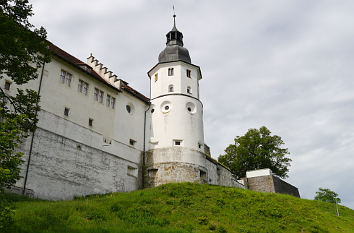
[144, 147]
[32, 139]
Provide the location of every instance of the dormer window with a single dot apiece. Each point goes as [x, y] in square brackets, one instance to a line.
[170, 88]
[170, 71]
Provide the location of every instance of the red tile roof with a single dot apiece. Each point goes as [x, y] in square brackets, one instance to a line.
[79, 64]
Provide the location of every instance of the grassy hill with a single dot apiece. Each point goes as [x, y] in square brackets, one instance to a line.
[181, 208]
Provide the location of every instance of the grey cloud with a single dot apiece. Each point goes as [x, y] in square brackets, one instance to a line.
[283, 64]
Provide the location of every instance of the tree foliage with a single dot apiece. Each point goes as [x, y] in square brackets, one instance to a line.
[23, 50]
[327, 195]
[257, 149]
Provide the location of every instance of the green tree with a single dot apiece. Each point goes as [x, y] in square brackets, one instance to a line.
[257, 149]
[23, 50]
[327, 195]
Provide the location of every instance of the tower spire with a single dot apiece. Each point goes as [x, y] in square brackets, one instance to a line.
[174, 19]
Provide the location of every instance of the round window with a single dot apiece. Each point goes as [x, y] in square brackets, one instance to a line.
[152, 110]
[191, 108]
[166, 106]
[129, 109]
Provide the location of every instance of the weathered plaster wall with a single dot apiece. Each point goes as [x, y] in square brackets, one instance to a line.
[70, 160]
[62, 168]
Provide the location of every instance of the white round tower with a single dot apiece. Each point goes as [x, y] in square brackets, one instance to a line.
[176, 143]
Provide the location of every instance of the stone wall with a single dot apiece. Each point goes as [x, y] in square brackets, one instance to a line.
[178, 164]
[261, 183]
[281, 186]
[270, 184]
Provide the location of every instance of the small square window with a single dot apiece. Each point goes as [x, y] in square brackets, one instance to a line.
[177, 142]
[66, 111]
[132, 142]
[188, 73]
[90, 122]
[170, 71]
[7, 85]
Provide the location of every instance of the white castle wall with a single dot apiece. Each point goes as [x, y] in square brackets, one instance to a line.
[108, 161]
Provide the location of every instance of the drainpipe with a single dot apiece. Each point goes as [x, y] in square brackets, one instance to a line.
[31, 146]
[144, 147]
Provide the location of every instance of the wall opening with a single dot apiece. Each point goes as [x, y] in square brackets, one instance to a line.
[152, 172]
[132, 142]
[203, 177]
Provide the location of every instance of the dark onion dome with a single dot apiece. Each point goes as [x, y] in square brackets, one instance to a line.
[174, 50]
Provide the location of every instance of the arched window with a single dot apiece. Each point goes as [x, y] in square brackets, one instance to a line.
[170, 88]
[189, 90]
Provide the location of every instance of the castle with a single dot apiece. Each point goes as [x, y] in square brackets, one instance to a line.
[96, 134]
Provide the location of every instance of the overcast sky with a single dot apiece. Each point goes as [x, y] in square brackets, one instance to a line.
[287, 65]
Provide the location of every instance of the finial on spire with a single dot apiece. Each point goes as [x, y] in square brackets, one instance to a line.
[174, 16]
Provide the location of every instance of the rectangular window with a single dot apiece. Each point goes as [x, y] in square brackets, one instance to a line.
[113, 102]
[66, 111]
[170, 71]
[79, 86]
[95, 94]
[100, 99]
[177, 142]
[7, 85]
[62, 76]
[85, 89]
[90, 122]
[156, 77]
[188, 73]
[68, 79]
[108, 101]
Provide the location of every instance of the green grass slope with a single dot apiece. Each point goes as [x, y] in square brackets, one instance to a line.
[181, 208]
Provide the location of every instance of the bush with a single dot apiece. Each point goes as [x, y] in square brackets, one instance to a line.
[6, 217]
